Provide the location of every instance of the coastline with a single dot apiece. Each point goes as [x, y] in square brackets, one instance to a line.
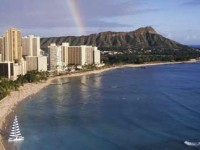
[9, 103]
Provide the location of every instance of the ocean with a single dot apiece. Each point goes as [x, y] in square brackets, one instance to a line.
[152, 108]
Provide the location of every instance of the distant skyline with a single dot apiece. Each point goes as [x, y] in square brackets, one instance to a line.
[174, 19]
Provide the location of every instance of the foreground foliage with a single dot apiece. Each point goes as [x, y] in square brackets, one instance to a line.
[6, 86]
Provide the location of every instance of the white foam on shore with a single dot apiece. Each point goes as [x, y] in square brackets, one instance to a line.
[195, 144]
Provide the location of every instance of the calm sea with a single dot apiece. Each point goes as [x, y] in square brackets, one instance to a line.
[153, 108]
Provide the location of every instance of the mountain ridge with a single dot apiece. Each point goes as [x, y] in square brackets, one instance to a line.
[144, 37]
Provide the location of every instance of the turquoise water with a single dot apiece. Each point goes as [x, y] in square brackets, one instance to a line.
[156, 108]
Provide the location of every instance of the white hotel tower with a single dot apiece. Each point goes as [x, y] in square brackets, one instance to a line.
[63, 55]
[55, 57]
[31, 45]
[31, 51]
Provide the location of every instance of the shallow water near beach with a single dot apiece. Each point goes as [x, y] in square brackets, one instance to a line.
[152, 108]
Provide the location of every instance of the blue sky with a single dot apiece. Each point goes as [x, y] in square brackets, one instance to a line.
[175, 19]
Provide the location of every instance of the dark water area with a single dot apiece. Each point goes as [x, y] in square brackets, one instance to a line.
[153, 108]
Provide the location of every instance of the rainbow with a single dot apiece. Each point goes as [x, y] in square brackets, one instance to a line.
[74, 10]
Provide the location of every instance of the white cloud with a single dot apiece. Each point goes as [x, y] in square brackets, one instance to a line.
[190, 37]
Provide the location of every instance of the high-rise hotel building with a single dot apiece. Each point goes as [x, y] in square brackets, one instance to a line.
[75, 55]
[12, 45]
[1, 48]
[97, 56]
[31, 51]
[31, 46]
[83, 55]
[11, 62]
[64, 55]
[55, 57]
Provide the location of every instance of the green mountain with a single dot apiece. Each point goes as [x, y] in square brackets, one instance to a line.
[145, 37]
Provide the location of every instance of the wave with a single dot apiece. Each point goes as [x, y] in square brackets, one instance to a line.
[114, 86]
[182, 122]
[61, 83]
[192, 143]
[180, 104]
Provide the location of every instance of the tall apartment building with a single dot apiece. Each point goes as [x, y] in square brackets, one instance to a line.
[55, 57]
[97, 56]
[1, 49]
[31, 45]
[11, 62]
[19, 69]
[89, 52]
[11, 70]
[75, 55]
[31, 49]
[38, 63]
[7, 69]
[64, 49]
[12, 45]
[61, 56]
[81, 55]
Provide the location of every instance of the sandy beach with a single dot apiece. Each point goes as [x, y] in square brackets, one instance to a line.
[9, 103]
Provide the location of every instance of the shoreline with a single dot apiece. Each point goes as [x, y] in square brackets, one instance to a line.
[9, 103]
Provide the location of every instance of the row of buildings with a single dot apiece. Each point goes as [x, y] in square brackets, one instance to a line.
[61, 56]
[17, 54]
[21, 54]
